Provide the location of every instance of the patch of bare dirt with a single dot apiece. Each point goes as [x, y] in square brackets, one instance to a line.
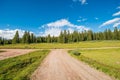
[59, 65]
[13, 52]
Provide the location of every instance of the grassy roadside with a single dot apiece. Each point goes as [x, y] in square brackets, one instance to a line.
[106, 60]
[21, 67]
[84, 44]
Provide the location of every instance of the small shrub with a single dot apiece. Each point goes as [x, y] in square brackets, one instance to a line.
[77, 53]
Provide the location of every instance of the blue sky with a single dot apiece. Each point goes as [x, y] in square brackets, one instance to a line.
[44, 17]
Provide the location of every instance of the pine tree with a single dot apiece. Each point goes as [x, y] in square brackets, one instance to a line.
[110, 36]
[65, 39]
[28, 38]
[89, 35]
[60, 38]
[116, 34]
[24, 37]
[49, 39]
[32, 38]
[16, 38]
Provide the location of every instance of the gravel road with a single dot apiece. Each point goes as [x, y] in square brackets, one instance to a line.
[13, 52]
[59, 65]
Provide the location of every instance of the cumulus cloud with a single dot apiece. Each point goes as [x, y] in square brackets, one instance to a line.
[59, 23]
[54, 28]
[116, 14]
[9, 34]
[81, 1]
[116, 24]
[52, 32]
[113, 21]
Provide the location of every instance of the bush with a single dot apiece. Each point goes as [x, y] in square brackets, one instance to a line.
[77, 53]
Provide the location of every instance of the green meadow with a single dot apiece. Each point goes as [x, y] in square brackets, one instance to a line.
[106, 60]
[102, 55]
[83, 44]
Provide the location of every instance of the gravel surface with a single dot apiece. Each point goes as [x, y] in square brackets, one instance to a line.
[59, 65]
[13, 52]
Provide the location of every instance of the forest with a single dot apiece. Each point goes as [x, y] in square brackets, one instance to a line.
[64, 37]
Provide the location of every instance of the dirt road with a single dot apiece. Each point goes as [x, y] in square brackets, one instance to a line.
[59, 65]
[13, 52]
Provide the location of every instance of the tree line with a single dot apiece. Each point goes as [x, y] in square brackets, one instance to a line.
[64, 37]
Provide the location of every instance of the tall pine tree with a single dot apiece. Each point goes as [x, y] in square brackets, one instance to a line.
[16, 38]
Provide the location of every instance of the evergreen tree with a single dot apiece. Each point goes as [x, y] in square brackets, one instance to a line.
[24, 37]
[65, 39]
[60, 38]
[49, 39]
[28, 38]
[16, 38]
[90, 35]
[32, 38]
[116, 34]
[109, 34]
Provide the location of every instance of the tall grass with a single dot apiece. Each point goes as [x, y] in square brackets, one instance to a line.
[106, 60]
[21, 67]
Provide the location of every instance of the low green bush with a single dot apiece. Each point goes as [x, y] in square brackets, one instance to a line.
[75, 52]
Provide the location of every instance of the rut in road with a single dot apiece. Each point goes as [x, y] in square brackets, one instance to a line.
[59, 65]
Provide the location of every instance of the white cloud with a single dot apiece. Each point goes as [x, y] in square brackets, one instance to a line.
[96, 18]
[81, 19]
[116, 14]
[9, 34]
[59, 23]
[84, 19]
[54, 28]
[116, 24]
[81, 1]
[113, 21]
[71, 30]
[118, 7]
[52, 32]
[82, 28]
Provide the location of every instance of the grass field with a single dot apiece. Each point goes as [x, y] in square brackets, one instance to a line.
[106, 60]
[21, 67]
[85, 44]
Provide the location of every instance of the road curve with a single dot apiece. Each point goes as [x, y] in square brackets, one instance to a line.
[14, 52]
[59, 65]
